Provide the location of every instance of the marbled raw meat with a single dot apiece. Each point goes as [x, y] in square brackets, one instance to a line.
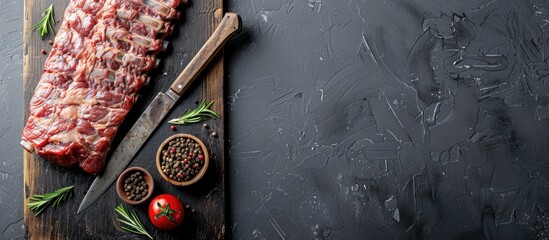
[99, 60]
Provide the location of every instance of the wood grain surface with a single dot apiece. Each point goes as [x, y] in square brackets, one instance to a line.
[99, 221]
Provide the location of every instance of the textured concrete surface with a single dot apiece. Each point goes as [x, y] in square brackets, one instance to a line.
[362, 119]
[11, 119]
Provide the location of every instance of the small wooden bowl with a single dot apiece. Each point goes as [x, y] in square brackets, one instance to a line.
[120, 184]
[197, 176]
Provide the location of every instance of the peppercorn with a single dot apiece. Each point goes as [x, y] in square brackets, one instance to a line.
[135, 186]
[43, 51]
[182, 159]
[214, 134]
[50, 42]
[172, 127]
[205, 125]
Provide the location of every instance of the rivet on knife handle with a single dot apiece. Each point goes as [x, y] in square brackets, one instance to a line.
[229, 26]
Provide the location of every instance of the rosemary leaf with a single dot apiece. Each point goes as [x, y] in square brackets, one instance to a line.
[131, 220]
[39, 203]
[47, 22]
[199, 114]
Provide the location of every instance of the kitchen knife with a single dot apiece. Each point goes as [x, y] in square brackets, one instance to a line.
[159, 108]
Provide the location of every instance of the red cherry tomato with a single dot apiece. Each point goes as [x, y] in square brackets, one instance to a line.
[166, 212]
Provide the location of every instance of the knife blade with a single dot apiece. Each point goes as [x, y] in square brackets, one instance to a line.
[158, 109]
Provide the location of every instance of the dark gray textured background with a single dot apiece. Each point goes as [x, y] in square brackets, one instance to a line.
[363, 119]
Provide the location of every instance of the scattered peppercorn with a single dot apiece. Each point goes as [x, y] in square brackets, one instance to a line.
[205, 125]
[182, 159]
[214, 134]
[43, 51]
[135, 186]
[50, 42]
[172, 127]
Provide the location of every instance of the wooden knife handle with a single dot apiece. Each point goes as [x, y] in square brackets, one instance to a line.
[229, 26]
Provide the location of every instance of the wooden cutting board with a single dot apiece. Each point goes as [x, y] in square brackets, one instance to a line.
[99, 221]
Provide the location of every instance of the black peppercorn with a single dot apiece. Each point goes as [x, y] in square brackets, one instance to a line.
[181, 159]
[135, 186]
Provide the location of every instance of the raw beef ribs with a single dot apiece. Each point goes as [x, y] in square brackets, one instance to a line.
[99, 60]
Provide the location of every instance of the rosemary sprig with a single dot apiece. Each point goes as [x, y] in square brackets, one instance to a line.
[46, 23]
[39, 203]
[130, 218]
[199, 114]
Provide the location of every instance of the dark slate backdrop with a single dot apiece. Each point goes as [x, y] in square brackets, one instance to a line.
[363, 119]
